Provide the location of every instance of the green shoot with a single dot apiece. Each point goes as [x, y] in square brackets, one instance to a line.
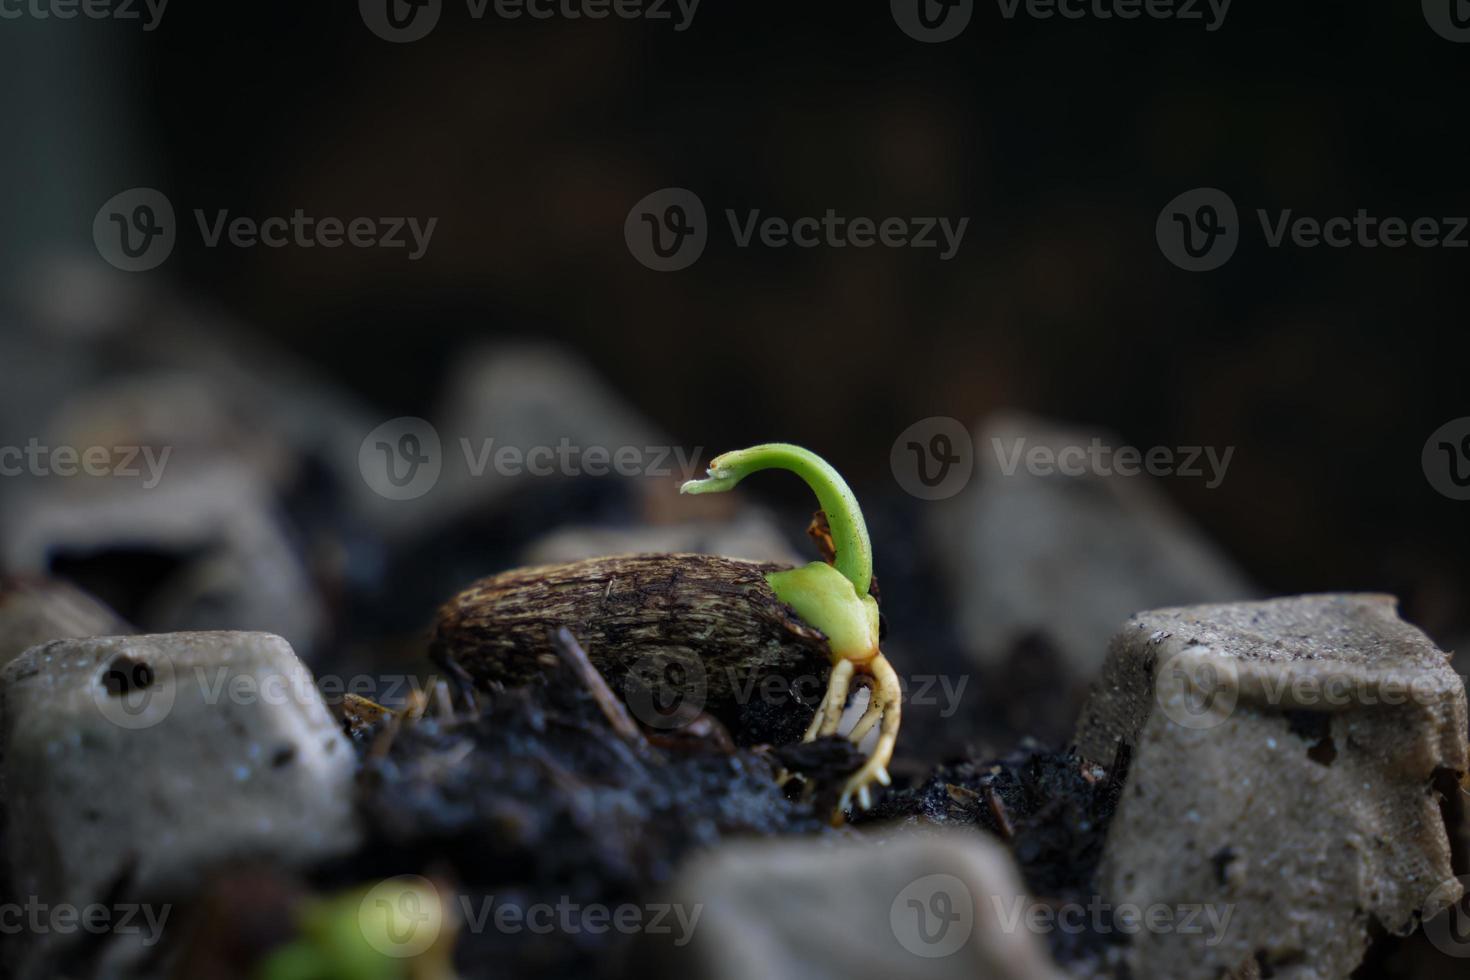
[833, 598]
[854, 557]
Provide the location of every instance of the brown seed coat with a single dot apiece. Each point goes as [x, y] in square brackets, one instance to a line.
[715, 618]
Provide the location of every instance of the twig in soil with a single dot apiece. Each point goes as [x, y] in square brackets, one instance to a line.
[359, 717]
[998, 811]
[443, 703]
[384, 740]
[418, 703]
[575, 657]
[464, 684]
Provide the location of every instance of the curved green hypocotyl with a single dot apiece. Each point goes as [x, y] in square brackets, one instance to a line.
[833, 598]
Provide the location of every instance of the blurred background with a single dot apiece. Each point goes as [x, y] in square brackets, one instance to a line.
[529, 319]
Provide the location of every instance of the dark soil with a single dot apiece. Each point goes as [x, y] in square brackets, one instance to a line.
[532, 798]
[1051, 808]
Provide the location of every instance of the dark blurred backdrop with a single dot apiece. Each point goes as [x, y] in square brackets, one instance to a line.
[1060, 139]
